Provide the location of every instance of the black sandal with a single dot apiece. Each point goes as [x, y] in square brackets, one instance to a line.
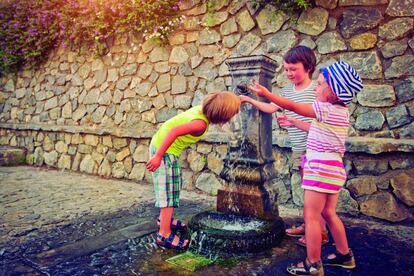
[345, 261]
[168, 242]
[314, 269]
[178, 226]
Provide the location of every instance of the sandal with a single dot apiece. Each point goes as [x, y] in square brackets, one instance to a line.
[179, 225]
[308, 268]
[302, 240]
[168, 242]
[296, 232]
[345, 261]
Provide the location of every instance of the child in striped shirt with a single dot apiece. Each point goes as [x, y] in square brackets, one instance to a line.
[324, 172]
[299, 64]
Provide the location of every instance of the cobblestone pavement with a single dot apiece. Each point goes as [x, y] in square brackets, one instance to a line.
[65, 223]
[37, 198]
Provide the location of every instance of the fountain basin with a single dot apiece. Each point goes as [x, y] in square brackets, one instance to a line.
[215, 234]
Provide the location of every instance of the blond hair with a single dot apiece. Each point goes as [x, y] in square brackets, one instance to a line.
[220, 107]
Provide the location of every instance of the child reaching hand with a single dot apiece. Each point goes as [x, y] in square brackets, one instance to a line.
[324, 173]
[299, 64]
[169, 141]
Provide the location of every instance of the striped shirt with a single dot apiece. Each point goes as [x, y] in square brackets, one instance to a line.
[329, 130]
[297, 136]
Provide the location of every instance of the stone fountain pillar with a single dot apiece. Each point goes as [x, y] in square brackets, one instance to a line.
[248, 167]
[247, 219]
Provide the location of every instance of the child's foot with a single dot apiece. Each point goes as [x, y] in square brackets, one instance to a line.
[172, 241]
[306, 268]
[338, 259]
[296, 231]
[302, 240]
[175, 224]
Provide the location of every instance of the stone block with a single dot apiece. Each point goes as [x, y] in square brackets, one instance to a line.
[384, 206]
[118, 170]
[346, 203]
[122, 154]
[50, 158]
[197, 161]
[360, 186]
[12, 156]
[270, 20]
[88, 165]
[373, 95]
[397, 116]
[359, 20]
[403, 187]
[313, 21]
[370, 165]
[64, 162]
[208, 183]
[214, 163]
[138, 172]
[178, 55]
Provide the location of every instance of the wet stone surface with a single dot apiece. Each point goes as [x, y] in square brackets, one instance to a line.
[378, 252]
[91, 245]
[122, 241]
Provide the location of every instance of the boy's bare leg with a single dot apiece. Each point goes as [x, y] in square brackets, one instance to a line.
[166, 214]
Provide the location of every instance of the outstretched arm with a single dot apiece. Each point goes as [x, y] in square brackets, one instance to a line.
[287, 121]
[265, 107]
[299, 108]
[195, 128]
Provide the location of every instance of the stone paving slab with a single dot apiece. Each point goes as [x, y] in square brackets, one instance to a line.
[37, 198]
[65, 223]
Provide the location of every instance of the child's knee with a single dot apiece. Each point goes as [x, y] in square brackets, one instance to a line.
[328, 214]
[311, 215]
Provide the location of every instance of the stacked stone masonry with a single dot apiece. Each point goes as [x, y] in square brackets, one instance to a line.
[97, 115]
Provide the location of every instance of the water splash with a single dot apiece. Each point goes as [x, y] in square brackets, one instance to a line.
[235, 225]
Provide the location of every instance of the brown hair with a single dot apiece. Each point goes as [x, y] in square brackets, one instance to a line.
[304, 55]
[220, 107]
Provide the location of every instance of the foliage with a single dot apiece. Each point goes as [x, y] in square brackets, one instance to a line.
[290, 7]
[30, 28]
[210, 13]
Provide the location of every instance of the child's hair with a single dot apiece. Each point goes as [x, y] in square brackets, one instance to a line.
[220, 107]
[304, 55]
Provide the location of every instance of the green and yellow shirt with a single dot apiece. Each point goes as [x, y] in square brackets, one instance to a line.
[182, 142]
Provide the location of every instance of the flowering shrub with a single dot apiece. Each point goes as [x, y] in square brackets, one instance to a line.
[30, 28]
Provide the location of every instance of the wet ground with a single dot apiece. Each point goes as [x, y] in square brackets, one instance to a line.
[121, 241]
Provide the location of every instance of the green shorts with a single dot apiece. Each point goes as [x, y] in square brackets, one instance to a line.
[167, 180]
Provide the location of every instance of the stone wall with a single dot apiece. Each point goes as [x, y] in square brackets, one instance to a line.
[97, 115]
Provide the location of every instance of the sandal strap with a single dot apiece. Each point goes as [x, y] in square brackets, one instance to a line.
[170, 238]
[159, 221]
[307, 264]
[342, 257]
[180, 244]
[161, 238]
[168, 241]
[178, 225]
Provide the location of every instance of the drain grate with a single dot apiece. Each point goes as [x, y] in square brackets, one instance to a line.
[190, 261]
